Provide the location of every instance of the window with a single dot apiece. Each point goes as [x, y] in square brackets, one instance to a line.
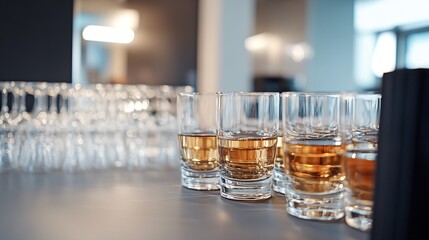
[417, 50]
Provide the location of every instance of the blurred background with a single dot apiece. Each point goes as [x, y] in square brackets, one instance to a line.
[223, 45]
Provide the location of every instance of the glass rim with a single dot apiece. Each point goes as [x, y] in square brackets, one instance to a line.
[362, 95]
[248, 93]
[190, 94]
[310, 94]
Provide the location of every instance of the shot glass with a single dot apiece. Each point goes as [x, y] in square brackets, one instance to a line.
[360, 116]
[196, 117]
[313, 151]
[247, 128]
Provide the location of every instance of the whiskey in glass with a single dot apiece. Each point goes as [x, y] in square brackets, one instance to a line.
[360, 117]
[247, 128]
[247, 157]
[199, 151]
[196, 117]
[313, 155]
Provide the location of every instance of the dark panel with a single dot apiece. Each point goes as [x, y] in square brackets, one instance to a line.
[36, 40]
[400, 205]
[273, 84]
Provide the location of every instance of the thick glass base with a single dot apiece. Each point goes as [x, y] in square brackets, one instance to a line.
[200, 180]
[279, 181]
[234, 189]
[359, 217]
[315, 206]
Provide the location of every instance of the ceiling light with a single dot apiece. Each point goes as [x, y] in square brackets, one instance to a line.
[107, 34]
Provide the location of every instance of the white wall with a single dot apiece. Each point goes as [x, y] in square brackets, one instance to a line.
[330, 32]
[223, 62]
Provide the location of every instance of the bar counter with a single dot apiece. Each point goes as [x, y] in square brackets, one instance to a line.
[148, 204]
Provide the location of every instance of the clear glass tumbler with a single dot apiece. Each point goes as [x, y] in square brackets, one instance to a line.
[313, 151]
[196, 118]
[247, 129]
[360, 117]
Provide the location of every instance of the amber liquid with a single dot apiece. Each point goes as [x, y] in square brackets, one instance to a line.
[360, 173]
[314, 168]
[199, 151]
[247, 157]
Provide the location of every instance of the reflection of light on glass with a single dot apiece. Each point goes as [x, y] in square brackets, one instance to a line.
[257, 42]
[188, 89]
[384, 56]
[107, 34]
[145, 104]
[141, 105]
[129, 107]
[138, 106]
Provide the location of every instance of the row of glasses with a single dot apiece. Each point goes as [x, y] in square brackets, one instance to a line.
[228, 141]
[330, 149]
[322, 158]
[59, 126]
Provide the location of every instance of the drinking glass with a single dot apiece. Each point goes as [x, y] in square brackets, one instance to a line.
[196, 117]
[247, 128]
[7, 127]
[313, 151]
[360, 116]
[36, 152]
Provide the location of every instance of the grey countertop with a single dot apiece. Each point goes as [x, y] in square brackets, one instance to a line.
[143, 205]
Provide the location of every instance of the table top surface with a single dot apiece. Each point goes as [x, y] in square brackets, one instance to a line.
[147, 204]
